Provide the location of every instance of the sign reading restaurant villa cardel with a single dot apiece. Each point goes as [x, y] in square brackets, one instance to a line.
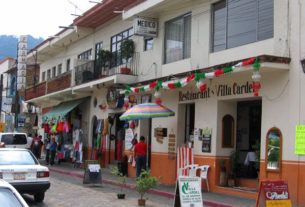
[219, 90]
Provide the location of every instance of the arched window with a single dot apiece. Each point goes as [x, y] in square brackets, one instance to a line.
[227, 131]
[13, 86]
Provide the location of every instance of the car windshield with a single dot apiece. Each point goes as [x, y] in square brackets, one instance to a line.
[17, 158]
[8, 198]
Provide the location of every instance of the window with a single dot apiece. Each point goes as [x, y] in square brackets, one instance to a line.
[148, 43]
[227, 131]
[85, 55]
[53, 72]
[49, 74]
[237, 23]
[178, 39]
[98, 47]
[59, 69]
[116, 44]
[43, 76]
[68, 65]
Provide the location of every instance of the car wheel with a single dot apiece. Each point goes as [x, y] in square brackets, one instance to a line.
[38, 197]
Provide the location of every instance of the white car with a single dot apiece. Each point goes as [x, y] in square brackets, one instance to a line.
[22, 170]
[14, 139]
[9, 196]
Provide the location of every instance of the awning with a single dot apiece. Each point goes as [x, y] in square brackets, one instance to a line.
[59, 111]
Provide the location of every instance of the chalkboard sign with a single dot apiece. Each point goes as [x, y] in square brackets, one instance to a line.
[273, 193]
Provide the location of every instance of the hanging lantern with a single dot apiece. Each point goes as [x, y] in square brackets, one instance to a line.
[157, 94]
[256, 77]
[199, 84]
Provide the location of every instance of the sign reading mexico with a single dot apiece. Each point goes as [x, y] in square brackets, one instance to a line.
[145, 26]
[21, 66]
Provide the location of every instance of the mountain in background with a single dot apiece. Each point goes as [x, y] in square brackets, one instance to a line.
[8, 45]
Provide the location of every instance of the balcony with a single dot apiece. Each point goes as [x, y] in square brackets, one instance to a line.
[36, 91]
[92, 70]
[58, 83]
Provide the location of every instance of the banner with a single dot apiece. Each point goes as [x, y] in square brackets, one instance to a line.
[7, 105]
[21, 65]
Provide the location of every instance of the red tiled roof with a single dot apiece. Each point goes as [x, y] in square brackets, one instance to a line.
[9, 58]
[101, 13]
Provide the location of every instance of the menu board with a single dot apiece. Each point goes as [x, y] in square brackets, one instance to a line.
[273, 193]
[206, 140]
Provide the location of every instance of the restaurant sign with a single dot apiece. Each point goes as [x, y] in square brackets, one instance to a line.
[219, 90]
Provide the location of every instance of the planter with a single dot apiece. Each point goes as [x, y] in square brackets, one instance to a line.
[141, 202]
[121, 196]
[125, 70]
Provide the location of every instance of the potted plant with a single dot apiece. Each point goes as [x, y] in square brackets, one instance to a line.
[223, 173]
[234, 157]
[121, 180]
[127, 50]
[104, 58]
[143, 184]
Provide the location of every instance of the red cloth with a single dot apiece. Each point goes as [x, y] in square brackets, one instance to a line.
[119, 149]
[140, 148]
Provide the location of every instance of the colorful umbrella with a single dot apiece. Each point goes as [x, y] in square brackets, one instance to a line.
[146, 110]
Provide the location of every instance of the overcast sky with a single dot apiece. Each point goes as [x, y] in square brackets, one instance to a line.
[39, 18]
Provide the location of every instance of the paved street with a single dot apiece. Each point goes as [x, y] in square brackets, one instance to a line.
[69, 191]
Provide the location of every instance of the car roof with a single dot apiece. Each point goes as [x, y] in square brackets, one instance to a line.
[13, 149]
[12, 133]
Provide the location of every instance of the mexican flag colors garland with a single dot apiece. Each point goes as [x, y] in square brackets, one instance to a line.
[198, 77]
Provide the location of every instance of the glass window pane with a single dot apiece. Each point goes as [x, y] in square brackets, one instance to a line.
[119, 37]
[113, 48]
[241, 22]
[174, 40]
[8, 198]
[125, 34]
[265, 19]
[113, 39]
[17, 158]
[187, 36]
[219, 27]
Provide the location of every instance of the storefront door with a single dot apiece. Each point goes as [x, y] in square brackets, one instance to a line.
[248, 137]
[186, 124]
[119, 137]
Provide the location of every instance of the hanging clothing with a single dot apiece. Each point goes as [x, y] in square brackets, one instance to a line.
[98, 141]
[105, 130]
[104, 143]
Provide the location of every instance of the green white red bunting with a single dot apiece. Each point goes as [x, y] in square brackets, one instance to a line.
[198, 77]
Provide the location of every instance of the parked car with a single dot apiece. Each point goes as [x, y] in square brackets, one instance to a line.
[14, 139]
[9, 196]
[22, 170]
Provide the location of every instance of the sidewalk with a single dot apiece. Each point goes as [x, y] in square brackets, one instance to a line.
[209, 198]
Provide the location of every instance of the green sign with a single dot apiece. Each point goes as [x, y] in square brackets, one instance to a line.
[300, 139]
[190, 191]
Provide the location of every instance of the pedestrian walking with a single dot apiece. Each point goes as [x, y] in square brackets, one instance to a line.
[140, 152]
[53, 147]
[36, 146]
[47, 150]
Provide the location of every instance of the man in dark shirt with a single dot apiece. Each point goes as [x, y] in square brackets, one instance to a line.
[140, 152]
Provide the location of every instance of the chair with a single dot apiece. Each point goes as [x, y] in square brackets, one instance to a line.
[192, 169]
[204, 174]
[184, 158]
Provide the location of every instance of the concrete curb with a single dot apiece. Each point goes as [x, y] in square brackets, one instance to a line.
[131, 187]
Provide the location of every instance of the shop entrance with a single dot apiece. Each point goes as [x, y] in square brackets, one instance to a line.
[145, 131]
[119, 137]
[248, 137]
[186, 124]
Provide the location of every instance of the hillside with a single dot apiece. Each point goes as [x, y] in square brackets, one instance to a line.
[8, 45]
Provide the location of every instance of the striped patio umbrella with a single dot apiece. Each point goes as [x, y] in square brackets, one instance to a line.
[146, 110]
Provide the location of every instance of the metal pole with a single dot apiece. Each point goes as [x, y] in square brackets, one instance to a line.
[16, 93]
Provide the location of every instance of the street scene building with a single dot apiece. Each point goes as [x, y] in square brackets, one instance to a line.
[231, 71]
